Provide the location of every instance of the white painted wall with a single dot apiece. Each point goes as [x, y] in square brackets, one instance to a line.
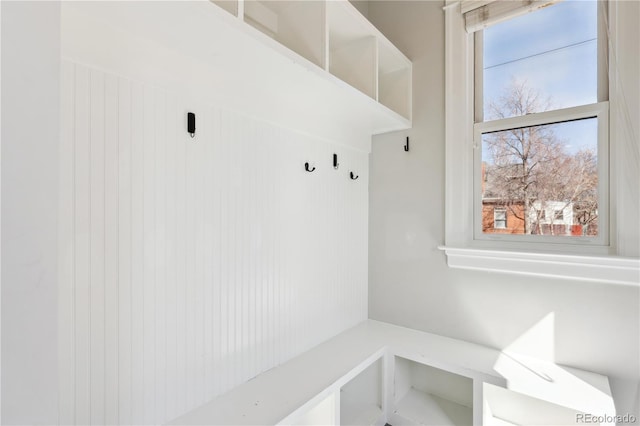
[189, 266]
[30, 139]
[594, 326]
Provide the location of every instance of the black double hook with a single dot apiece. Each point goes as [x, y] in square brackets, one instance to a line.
[406, 146]
[353, 177]
[306, 167]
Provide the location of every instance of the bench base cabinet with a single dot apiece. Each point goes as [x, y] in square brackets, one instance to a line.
[378, 373]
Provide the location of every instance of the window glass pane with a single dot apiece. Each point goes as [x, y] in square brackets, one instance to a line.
[541, 61]
[544, 177]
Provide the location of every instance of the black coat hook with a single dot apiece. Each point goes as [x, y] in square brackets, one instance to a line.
[335, 161]
[406, 146]
[353, 177]
[191, 124]
[306, 167]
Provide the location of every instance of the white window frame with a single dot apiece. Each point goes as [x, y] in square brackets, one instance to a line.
[587, 262]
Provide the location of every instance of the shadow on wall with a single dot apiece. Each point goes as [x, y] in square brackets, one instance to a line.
[589, 326]
[540, 391]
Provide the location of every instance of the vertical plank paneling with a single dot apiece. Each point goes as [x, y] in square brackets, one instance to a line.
[219, 261]
[82, 303]
[96, 247]
[189, 283]
[198, 258]
[66, 341]
[137, 255]
[206, 254]
[160, 126]
[181, 266]
[149, 250]
[111, 176]
[171, 263]
[188, 266]
[125, 306]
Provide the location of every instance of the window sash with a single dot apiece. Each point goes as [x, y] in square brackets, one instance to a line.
[478, 46]
[598, 110]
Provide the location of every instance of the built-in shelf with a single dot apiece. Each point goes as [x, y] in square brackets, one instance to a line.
[337, 38]
[361, 398]
[426, 395]
[309, 66]
[352, 48]
[426, 409]
[298, 25]
[384, 373]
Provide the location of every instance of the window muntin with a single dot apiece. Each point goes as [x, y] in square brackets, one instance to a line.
[536, 95]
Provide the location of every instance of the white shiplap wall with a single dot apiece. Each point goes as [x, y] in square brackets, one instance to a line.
[188, 266]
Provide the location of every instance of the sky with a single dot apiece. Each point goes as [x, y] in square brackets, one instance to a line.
[554, 50]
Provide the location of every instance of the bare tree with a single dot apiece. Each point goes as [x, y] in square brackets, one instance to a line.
[531, 166]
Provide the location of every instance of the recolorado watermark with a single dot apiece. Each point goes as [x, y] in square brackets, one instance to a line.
[617, 419]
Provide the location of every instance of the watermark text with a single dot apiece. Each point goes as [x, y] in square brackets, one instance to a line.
[606, 418]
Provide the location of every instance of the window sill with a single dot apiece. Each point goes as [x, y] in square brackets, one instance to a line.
[609, 269]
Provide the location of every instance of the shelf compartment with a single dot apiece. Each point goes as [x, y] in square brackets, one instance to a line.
[353, 51]
[230, 6]
[361, 397]
[394, 79]
[429, 396]
[296, 24]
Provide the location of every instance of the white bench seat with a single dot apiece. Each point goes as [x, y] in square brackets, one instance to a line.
[282, 393]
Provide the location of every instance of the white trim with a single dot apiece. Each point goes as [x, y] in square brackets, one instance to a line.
[609, 269]
[624, 98]
[459, 71]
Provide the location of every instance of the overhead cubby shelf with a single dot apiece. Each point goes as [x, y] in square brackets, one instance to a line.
[352, 48]
[337, 38]
[313, 66]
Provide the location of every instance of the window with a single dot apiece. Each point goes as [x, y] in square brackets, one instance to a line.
[546, 248]
[558, 215]
[540, 102]
[500, 219]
